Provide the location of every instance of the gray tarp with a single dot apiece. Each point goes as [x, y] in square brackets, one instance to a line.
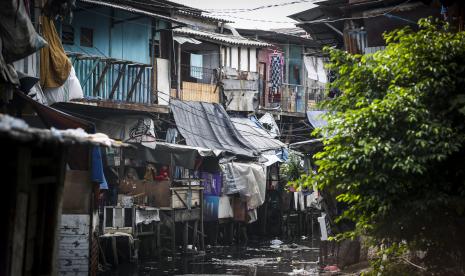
[247, 179]
[18, 38]
[256, 135]
[207, 125]
[180, 155]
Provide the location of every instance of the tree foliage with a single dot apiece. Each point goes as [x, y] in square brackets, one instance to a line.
[396, 155]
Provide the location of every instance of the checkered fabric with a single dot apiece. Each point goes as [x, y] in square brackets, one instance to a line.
[276, 72]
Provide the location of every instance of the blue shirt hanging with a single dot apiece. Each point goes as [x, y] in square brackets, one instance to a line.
[97, 169]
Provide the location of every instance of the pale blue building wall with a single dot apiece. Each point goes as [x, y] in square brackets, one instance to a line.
[127, 40]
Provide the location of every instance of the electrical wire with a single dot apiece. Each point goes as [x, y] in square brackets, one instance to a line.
[354, 18]
[260, 20]
[259, 8]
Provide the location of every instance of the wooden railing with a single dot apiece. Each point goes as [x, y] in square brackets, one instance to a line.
[112, 79]
[294, 98]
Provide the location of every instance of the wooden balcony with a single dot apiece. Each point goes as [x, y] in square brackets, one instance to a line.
[292, 98]
[113, 79]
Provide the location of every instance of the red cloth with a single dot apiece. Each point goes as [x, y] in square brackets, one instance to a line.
[163, 174]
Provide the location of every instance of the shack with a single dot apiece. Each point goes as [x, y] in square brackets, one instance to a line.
[35, 171]
[243, 172]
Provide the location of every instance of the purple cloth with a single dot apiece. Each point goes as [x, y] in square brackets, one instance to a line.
[212, 183]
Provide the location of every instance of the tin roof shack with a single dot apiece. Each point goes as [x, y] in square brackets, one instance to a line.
[144, 190]
[358, 25]
[165, 177]
[243, 168]
[121, 52]
[34, 168]
[212, 56]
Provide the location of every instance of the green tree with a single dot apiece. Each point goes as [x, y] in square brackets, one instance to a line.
[395, 154]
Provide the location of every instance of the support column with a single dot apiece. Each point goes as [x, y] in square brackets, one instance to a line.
[178, 72]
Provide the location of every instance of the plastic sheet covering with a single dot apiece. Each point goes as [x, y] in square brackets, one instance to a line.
[71, 89]
[17, 32]
[7, 71]
[211, 207]
[247, 179]
[316, 118]
[224, 209]
[269, 123]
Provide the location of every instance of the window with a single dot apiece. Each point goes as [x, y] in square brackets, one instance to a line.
[196, 66]
[87, 37]
[67, 34]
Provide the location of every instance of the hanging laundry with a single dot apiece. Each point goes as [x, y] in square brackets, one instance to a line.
[276, 71]
[55, 66]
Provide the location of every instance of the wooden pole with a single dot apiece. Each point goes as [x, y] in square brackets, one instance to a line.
[185, 237]
[202, 238]
[178, 72]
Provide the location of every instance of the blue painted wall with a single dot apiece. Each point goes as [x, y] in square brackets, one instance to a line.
[130, 40]
[99, 20]
[124, 40]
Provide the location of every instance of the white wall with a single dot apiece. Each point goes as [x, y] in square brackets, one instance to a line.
[225, 60]
[253, 60]
[244, 59]
[235, 57]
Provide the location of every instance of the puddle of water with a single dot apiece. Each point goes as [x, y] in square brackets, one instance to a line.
[258, 258]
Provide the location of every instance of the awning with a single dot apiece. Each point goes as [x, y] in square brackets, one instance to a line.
[183, 39]
[207, 125]
[220, 38]
[174, 154]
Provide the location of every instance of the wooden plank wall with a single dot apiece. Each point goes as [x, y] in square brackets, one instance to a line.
[73, 250]
[201, 92]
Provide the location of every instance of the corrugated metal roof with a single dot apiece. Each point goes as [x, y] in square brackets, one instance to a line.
[256, 135]
[131, 9]
[222, 38]
[202, 15]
